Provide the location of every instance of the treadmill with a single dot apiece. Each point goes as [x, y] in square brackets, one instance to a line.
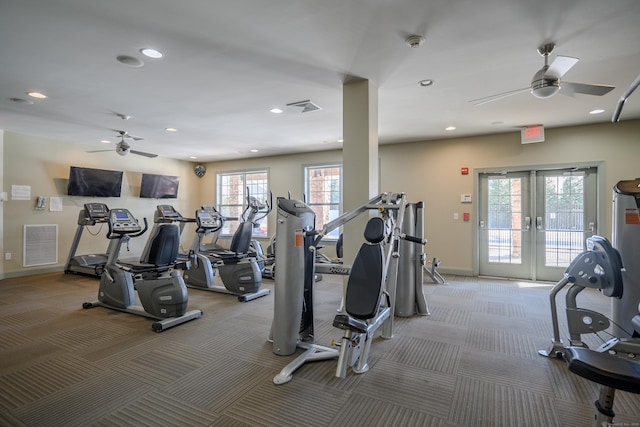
[90, 264]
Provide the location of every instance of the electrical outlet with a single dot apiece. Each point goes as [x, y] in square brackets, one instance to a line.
[7, 256]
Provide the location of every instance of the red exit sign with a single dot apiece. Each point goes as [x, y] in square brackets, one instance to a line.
[529, 134]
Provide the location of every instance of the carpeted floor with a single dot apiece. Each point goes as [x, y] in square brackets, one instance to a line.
[472, 362]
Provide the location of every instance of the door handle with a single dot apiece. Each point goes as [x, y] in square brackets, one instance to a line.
[592, 227]
[481, 223]
[527, 223]
[539, 222]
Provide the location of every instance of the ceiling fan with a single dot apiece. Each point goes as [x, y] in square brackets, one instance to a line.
[546, 82]
[123, 148]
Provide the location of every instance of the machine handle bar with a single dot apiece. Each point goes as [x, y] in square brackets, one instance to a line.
[120, 233]
[413, 239]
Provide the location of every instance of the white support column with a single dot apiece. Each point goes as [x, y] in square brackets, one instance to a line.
[360, 157]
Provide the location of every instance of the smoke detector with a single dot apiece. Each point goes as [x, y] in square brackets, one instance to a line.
[414, 41]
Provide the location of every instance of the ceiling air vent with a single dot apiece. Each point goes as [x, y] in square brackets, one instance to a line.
[306, 106]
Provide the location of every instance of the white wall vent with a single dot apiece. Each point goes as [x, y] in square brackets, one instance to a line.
[40, 244]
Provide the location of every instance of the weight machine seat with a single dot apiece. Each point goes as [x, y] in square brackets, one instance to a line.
[604, 369]
[364, 287]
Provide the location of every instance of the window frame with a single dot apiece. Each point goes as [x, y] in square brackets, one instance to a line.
[307, 169]
[224, 208]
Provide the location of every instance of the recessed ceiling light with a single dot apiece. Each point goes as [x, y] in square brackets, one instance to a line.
[151, 52]
[276, 110]
[425, 82]
[193, 157]
[341, 140]
[254, 150]
[37, 95]
[171, 129]
[596, 111]
[104, 141]
[450, 128]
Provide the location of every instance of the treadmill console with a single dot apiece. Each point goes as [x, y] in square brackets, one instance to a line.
[166, 214]
[93, 213]
[122, 222]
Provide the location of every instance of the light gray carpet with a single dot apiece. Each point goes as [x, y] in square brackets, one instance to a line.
[472, 362]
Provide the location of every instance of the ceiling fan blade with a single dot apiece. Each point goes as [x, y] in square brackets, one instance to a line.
[569, 88]
[97, 151]
[560, 66]
[142, 153]
[124, 134]
[491, 98]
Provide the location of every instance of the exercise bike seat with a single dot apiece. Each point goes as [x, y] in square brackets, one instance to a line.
[364, 286]
[239, 247]
[161, 251]
[603, 368]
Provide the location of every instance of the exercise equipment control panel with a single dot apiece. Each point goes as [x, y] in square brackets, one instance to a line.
[207, 219]
[123, 222]
[93, 213]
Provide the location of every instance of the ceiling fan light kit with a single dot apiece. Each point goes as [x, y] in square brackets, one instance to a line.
[123, 148]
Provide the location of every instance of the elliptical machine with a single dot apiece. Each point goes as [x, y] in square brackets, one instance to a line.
[159, 285]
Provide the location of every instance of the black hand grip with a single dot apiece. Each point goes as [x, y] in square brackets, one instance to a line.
[144, 230]
[413, 239]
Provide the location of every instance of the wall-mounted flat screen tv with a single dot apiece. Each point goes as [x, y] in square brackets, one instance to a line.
[159, 186]
[94, 182]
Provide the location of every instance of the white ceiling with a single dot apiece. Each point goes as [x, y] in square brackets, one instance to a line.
[228, 63]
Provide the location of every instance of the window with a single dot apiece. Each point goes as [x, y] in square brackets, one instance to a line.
[232, 198]
[323, 187]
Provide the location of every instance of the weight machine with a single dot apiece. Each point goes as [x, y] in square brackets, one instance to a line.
[371, 290]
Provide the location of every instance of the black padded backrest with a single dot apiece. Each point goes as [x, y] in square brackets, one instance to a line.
[365, 282]
[241, 239]
[374, 230]
[163, 248]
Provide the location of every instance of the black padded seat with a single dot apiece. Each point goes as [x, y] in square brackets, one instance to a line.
[164, 247]
[364, 287]
[162, 252]
[346, 322]
[603, 368]
[241, 239]
[239, 247]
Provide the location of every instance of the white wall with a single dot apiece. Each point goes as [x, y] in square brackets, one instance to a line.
[43, 164]
[428, 171]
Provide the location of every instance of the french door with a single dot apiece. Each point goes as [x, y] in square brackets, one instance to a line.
[533, 223]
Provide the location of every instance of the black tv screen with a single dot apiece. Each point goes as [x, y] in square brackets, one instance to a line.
[159, 186]
[94, 182]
